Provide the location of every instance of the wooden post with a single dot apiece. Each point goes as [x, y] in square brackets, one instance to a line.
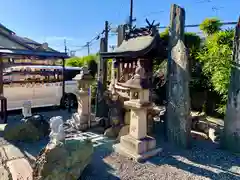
[1, 76]
[178, 107]
[231, 134]
[63, 77]
[105, 61]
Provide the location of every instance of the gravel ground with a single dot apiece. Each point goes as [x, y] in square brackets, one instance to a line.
[199, 163]
[204, 161]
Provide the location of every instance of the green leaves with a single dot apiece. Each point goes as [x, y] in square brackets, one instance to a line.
[81, 61]
[216, 59]
[210, 26]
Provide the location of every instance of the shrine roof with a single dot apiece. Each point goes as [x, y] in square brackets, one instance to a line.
[134, 47]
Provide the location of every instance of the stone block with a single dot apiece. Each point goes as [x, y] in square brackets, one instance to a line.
[151, 142]
[12, 152]
[20, 169]
[119, 148]
[134, 145]
[138, 123]
[4, 175]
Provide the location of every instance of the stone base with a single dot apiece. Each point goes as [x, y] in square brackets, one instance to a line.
[137, 149]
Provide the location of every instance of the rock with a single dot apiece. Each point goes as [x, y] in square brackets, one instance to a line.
[112, 132]
[22, 131]
[64, 161]
[202, 126]
[27, 130]
[124, 131]
[199, 135]
[214, 134]
[40, 123]
[20, 169]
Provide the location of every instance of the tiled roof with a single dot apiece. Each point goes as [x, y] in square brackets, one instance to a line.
[134, 47]
[26, 42]
[6, 29]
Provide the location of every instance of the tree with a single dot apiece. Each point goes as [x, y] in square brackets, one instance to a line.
[216, 59]
[210, 26]
[81, 61]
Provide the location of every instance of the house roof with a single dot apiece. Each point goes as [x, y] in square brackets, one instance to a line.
[33, 48]
[6, 29]
[134, 47]
[4, 52]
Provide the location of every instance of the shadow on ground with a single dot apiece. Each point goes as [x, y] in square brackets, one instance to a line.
[204, 158]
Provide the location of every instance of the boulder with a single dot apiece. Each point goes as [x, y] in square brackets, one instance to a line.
[64, 161]
[40, 123]
[27, 130]
[124, 131]
[112, 132]
[22, 131]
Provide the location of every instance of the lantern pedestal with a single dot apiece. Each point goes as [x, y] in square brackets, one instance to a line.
[82, 119]
[137, 144]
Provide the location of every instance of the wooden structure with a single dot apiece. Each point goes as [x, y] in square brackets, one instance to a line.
[13, 47]
[142, 44]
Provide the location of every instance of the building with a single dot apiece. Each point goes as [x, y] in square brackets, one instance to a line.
[10, 40]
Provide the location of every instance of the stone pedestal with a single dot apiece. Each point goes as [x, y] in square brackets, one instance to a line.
[137, 144]
[82, 119]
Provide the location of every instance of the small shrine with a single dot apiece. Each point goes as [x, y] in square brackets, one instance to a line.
[131, 80]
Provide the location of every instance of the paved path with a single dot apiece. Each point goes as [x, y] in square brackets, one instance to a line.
[14, 164]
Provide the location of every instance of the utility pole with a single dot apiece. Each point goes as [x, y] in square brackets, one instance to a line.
[65, 45]
[131, 15]
[88, 47]
[131, 19]
[106, 36]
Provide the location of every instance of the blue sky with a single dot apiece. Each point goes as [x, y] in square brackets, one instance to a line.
[78, 21]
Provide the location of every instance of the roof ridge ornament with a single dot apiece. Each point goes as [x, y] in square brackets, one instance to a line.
[150, 29]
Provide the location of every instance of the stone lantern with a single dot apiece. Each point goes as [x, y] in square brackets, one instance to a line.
[137, 144]
[82, 119]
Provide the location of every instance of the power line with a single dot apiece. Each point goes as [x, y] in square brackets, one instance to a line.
[197, 25]
[89, 43]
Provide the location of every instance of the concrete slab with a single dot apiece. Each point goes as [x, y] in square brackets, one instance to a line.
[3, 173]
[20, 169]
[12, 152]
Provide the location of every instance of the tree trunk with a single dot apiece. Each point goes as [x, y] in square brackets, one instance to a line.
[231, 135]
[178, 107]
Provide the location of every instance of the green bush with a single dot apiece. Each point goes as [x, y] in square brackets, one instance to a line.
[216, 59]
[210, 26]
